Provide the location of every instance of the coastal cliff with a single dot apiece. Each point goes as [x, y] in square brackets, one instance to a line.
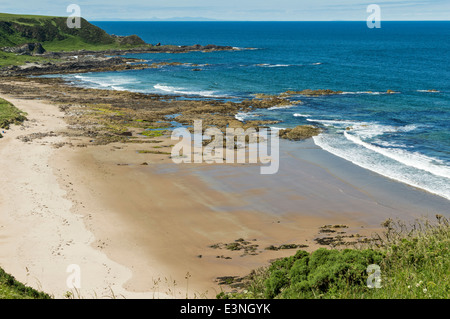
[48, 43]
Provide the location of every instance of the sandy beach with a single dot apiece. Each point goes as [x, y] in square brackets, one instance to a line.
[160, 230]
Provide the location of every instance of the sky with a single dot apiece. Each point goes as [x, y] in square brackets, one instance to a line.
[235, 10]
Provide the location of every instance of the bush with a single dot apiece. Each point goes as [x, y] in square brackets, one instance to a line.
[328, 270]
[414, 262]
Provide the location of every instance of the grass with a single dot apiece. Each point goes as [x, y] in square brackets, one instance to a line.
[153, 152]
[414, 263]
[7, 59]
[10, 288]
[73, 43]
[13, 17]
[9, 114]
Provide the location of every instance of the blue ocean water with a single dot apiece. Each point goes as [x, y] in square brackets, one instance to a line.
[404, 136]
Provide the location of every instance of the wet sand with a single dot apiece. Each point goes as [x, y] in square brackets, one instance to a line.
[146, 231]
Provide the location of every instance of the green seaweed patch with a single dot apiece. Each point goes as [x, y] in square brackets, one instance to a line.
[286, 246]
[234, 246]
[154, 132]
[249, 247]
[153, 152]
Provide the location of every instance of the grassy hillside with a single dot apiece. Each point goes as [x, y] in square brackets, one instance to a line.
[54, 34]
[414, 264]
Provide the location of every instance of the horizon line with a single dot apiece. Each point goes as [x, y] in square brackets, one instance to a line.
[168, 20]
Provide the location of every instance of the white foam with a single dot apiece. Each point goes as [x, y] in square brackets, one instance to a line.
[365, 129]
[300, 115]
[367, 92]
[279, 65]
[241, 116]
[279, 107]
[171, 89]
[334, 122]
[107, 82]
[370, 130]
[266, 65]
[118, 88]
[411, 168]
[415, 160]
[429, 91]
[240, 48]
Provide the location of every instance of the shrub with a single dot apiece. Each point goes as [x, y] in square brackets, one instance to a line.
[414, 262]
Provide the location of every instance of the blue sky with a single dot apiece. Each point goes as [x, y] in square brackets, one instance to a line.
[246, 10]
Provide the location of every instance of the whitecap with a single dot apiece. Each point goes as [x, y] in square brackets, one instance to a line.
[279, 107]
[300, 115]
[183, 91]
[429, 91]
[416, 171]
[407, 158]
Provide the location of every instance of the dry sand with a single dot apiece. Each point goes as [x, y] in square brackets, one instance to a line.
[145, 231]
[41, 232]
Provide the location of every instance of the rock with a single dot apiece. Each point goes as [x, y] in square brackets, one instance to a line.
[300, 132]
[129, 40]
[317, 92]
[26, 49]
[309, 92]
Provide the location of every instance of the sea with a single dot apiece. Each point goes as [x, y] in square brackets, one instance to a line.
[403, 135]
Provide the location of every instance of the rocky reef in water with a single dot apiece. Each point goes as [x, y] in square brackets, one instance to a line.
[300, 132]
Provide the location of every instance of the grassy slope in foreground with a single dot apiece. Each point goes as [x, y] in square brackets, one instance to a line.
[10, 288]
[9, 114]
[55, 36]
[414, 263]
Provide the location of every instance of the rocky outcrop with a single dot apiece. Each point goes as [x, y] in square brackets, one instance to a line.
[128, 40]
[147, 48]
[300, 132]
[95, 61]
[26, 49]
[76, 65]
[309, 92]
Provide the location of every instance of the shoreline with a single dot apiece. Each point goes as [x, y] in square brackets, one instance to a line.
[110, 236]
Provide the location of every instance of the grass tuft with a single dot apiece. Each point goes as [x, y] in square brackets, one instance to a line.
[9, 114]
[10, 288]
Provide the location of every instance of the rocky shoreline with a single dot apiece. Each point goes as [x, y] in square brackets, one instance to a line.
[141, 107]
[108, 116]
[83, 61]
